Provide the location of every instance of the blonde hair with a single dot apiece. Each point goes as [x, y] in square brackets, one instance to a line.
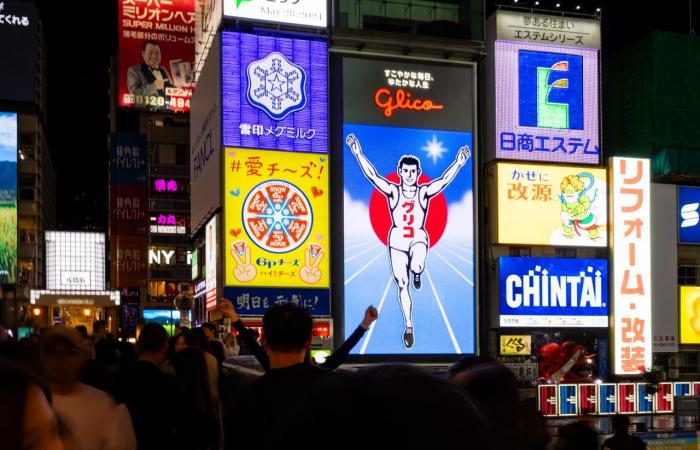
[574, 181]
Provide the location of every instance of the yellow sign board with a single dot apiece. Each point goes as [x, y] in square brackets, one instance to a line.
[277, 226]
[690, 315]
[551, 205]
[516, 345]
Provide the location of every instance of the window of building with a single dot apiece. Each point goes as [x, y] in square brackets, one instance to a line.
[688, 362]
[520, 251]
[167, 154]
[27, 194]
[687, 275]
[565, 252]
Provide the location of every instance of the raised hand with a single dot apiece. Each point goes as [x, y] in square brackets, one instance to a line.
[463, 155]
[310, 273]
[354, 144]
[244, 271]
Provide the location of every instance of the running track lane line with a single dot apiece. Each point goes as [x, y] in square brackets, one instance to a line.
[457, 247]
[362, 269]
[359, 244]
[373, 247]
[444, 316]
[454, 268]
[460, 257]
[379, 310]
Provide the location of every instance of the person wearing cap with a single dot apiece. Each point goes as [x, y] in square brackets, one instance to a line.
[92, 420]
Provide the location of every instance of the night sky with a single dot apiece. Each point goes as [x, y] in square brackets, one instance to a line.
[82, 36]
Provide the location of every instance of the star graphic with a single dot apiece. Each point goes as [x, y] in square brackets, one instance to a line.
[434, 149]
[276, 83]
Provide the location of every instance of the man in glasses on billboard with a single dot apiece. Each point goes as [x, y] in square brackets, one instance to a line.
[408, 202]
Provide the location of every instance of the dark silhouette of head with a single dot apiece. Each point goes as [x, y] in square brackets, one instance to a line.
[287, 328]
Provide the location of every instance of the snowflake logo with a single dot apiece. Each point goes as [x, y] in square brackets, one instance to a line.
[276, 85]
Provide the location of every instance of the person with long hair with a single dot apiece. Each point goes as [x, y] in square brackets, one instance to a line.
[29, 421]
[198, 421]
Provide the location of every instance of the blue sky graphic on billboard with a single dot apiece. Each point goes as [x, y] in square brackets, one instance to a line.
[688, 216]
[275, 93]
[408, 251]
[550, 90]
[8, 197]
[553, 292]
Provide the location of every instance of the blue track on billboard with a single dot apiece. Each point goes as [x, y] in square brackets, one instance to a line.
[255, 301]
[414, 262]
[129, 154]
[688, 215]
[553, 292]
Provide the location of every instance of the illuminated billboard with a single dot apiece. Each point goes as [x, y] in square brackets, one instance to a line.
[408, 206]
[75, 261]
[551, 205]
[310, 13]
[688, 216]
[553, 292]
[18, 28]
[631, 243]
[690, 315]
[277, 227]
[156, 54]
[275, 92]
[547, 103]
[8, 197]
[211, 261]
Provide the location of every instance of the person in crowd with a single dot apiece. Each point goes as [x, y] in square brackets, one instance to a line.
[333, 361]
[231, 347]
[95, 373]
[29, 421]
[90, 415]
[105, 349]
[578, 435]
[82, 329]
[244, 348]
[416, 410]
[148, 392]
[3, 333]
[197, 420]
[495, 389]
[217, 347]
[622, 440]
[286, 340]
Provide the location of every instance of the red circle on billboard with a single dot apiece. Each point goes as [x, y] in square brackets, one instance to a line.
[380, 215]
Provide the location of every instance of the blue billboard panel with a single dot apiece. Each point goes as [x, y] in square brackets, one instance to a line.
[688, 215]
[408, 244]
[568, 400]
[255, 301]
[8, 197]
[607, 398]
[274, 92]
[553, 292]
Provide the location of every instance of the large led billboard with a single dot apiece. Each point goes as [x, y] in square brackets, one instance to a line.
[553, 292]
[277, 226]
[688, 216]
[275, 92]
[75, 261]
[293, 12]
[408, 206]
[631, 243]
[18, 27]
[547, 103]
[551, 205]
[156, 54]
[8, 197]
[211, 261]
[690, 315]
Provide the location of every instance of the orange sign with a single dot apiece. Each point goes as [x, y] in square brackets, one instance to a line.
[401, 99]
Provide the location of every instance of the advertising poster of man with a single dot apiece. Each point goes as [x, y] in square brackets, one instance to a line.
[408, 195]
[156, 54]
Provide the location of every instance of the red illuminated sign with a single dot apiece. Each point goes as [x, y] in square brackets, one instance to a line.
[402, 100]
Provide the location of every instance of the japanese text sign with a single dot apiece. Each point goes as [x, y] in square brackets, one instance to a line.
[547, 103]
[543, 29]
[275, 93]
[631, 243]
[277, 226]
[551, 205]
[294, 12]
[516, 345]
[156, 54]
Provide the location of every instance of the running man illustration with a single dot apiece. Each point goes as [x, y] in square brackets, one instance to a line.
[408, 202]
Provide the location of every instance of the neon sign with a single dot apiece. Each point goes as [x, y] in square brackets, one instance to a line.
[162, 185]
[401, 99]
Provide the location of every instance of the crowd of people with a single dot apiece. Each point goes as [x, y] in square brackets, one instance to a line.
[65, 389]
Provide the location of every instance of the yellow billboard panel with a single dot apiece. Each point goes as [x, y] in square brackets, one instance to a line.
[690, 315]
[516, 345]
[277, 226]
[551, 205]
